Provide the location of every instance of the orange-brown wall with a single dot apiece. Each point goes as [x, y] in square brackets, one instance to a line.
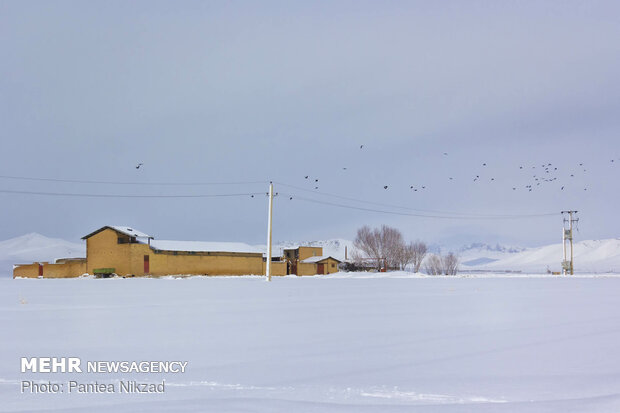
[277, 268]
[204, 264]
[331, 266]
[104, 251]
[304, 268]
[26, 271]
[65, 270]
[307, 252]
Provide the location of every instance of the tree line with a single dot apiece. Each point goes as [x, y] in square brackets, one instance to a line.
[386, 248]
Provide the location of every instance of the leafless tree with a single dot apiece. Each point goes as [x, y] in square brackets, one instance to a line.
[419, 250]
[434, 265]
[450, 264]
[384, 243]
[404, 256]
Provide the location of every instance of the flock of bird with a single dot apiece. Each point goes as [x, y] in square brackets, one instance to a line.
[535, 175]
[539, 175]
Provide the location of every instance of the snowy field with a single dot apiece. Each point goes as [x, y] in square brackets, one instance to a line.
[322, 344]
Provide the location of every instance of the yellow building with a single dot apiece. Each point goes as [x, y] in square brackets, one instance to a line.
[309, 261]
[127, 252]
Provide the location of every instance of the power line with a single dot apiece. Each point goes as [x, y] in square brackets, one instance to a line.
[80, 181]
[444, 214]
[126, 196]
[482, 217]
[463, 214]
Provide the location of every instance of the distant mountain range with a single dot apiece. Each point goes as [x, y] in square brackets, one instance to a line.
[36, 247]
[592, 256]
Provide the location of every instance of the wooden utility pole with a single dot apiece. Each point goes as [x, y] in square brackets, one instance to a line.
[268, 266]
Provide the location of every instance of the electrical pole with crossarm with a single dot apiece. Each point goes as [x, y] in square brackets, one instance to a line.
[567, 237]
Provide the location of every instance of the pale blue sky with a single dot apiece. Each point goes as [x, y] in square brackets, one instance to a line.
[259, 91]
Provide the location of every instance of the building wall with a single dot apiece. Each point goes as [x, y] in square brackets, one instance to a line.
[277, 268]
[331, 266]
[164, 263]
[68, 269]
[307, 252]
[26, 271]
[65, 270]
[104, 251]
[305, 268]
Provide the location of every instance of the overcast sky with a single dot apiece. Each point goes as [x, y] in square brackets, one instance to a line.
[229, 91]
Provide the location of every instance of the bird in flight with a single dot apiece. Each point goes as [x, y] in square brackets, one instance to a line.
[306, 176]
[361, 146]
[385, 187]
[139, 165]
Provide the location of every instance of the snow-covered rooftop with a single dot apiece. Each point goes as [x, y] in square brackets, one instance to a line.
[317, 259]
[202, 246]
[122, 229]
[130, 231]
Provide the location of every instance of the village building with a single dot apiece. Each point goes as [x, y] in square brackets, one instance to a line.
[127, 252]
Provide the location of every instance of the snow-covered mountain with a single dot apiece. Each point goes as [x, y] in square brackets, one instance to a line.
[597, 256]
[35, 247]
[478, 253]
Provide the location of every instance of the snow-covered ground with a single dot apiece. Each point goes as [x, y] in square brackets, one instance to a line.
[340, 343]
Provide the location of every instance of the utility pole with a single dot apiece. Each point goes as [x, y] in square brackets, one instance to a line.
[567, 237]
[268, 266]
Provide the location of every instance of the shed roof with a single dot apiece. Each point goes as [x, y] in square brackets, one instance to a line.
[122, 229]
[318, 259]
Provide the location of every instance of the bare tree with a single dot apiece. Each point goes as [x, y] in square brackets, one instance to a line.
[384, 243]
[418, 250]
[404, 256]
[367, 242]
[434, 265]
[450, 264]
